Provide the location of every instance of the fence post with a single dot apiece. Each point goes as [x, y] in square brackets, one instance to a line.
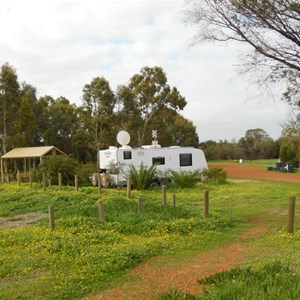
[59, 181]
[206, 203]
[30, 180]
[140, 205]
[44, 181]
[76, 183]
[99, 183]
[51, 217]
[101, 210]
[19, 177]
[291, 215]
[128, 191]
[174, 200]
[164, 194]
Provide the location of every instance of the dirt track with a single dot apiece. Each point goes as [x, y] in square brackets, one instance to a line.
[159, 275]
[249, 172]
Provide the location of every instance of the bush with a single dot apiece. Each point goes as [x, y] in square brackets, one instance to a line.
[58, 164]
[184, 179]
[216, 175]
[143, 177]
[84, 171]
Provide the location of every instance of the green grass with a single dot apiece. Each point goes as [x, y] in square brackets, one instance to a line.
[273, 280]
[83, 253]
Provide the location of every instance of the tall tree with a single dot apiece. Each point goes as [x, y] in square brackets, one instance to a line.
[83, 139]
[60, 122]
[9, 104]
[258, 144]
[128, 116]
[290, 142]
[147, 92]
[99, 102]
[270, 27]
[26, 120]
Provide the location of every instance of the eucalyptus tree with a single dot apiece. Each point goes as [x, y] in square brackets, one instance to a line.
[99, 102]
[183, 132]
[290, 142]
[128, 114]
[83, 138]
[59, 124]
[271, 29]
[9, 104]
[146, 93]
[257, 144]
[173, 128]
[25, 125]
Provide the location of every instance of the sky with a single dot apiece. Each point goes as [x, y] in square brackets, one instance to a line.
[58, 46]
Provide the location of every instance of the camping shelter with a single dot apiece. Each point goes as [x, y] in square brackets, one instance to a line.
[29, 154]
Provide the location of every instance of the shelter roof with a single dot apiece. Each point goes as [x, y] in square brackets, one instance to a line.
[33, 152]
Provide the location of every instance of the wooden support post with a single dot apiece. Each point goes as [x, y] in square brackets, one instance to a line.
[128, 191]
[76, 183]
[19, 177]
[60, 181]
[174, 200]
[101, 210]
[99, 184]
[30, 180]
[206, 203]
[51, 218]
[2, 171]
[291, 215]
[164, 194]
[140, 205]
[25, 166]
[44, 181]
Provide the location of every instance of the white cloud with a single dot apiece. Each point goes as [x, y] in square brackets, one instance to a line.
[61, 45]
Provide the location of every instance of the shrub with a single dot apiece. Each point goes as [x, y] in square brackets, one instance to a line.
[58, 164]
[184, 179]
[84, 171]
[216, 175]
[143, 177]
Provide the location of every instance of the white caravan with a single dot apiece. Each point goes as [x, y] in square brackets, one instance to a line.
[166, 158]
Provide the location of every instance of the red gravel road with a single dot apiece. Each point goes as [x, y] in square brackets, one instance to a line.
[250, 172]
[161, 274]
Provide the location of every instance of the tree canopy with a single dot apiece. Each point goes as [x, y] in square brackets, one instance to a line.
[270, 27]
[145, 96]
[146, 103]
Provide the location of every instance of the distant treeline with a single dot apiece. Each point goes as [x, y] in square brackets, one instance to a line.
[256, 144]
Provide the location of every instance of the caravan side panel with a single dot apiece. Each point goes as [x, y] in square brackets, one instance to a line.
[107, 157]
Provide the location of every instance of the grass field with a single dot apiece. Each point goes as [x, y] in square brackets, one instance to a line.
[83, 253]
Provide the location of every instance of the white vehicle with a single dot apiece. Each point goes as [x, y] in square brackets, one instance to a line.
[166, 158]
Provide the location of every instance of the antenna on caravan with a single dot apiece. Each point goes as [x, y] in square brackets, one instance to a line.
[123, 137]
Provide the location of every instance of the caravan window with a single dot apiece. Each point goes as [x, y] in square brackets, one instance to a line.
[185, 159]
[158, 160]
[127, 154]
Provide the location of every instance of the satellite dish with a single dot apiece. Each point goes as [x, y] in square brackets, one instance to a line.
[123, 137]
